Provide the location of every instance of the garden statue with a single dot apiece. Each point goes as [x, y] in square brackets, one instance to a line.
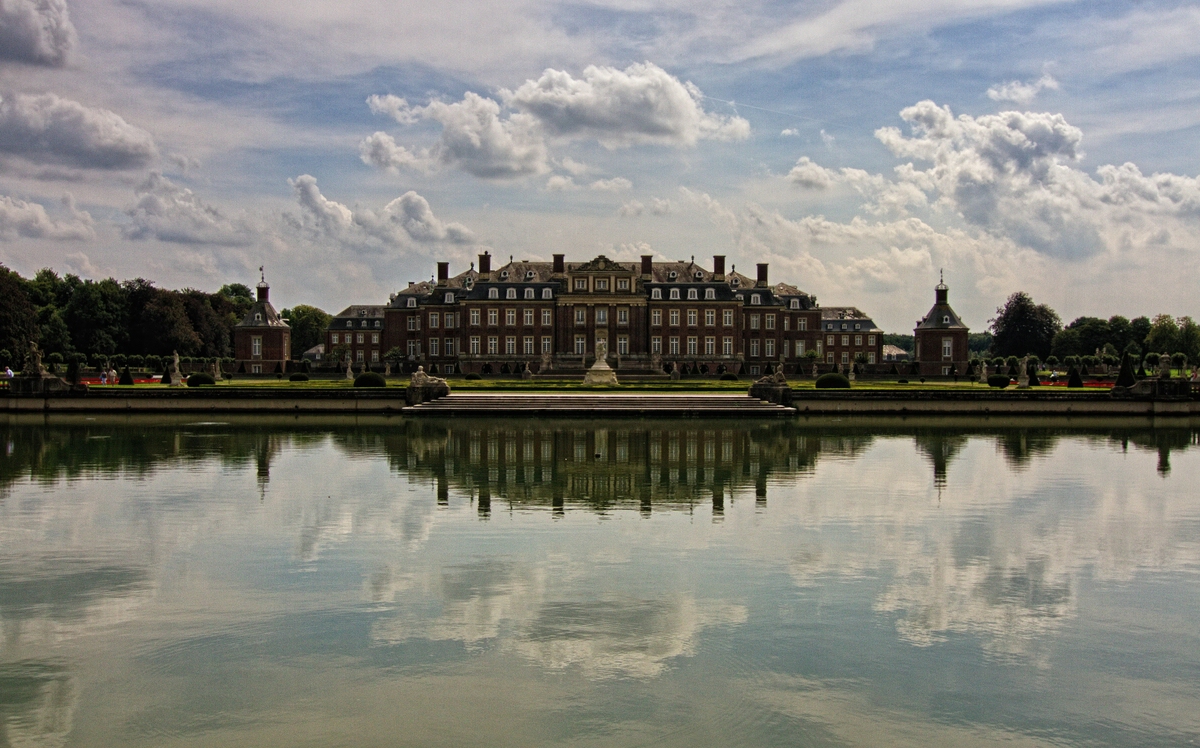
[421, 379]
[983, 372]
[176, 375]
[33, 362]
[815, 368]
[349, 369]
[1023, 374]
[1164, 366]
[547, 363]
[526, 373]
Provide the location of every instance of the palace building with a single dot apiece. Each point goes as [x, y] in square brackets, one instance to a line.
[940, 339]
[262, 341]
[650, 317]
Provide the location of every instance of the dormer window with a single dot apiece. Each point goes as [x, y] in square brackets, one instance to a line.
[656, 293]
[503, 275]
[699, 275]
[671, 275]
[946, 319]
[257, 317]
[512, 293]
[857, 326]
[755, 299]
[493, 293]
[378, 323]
[735, 283]
[674, 292]
[529, 275]
[350, 322]
[529, 293]
[693, 294]
[364, 323]
[412, 302]
[581, 284]
[843, 325]
[737, 296]
[547, 293]
[795, 303]
[710, 294]
[448, 298]
[468, 284]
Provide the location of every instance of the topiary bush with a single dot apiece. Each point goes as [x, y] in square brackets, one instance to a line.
[200, 378]
[832, 380]
[472, 376]
[999, 381]
[126, 377]
[729, 376]
[298, 377]
[1074, 379]
[370, 379]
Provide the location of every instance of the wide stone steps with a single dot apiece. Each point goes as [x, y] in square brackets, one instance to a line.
[600, 405]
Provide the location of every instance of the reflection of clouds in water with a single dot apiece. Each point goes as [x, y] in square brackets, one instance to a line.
[37, 705]
[509, 602]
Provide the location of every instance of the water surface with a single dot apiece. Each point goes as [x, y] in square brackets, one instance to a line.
[364, 582]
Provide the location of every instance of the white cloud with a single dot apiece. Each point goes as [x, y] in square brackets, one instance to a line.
[559, 183]
[660, 206]
[631, 208]
[574, 167]
[810, 176]
[407, 219]
[1020, 93]
[640, 104]
[790, 132]
[170, 213]
[326, 214]
[19, 218]
[616, 184]
[36, 31]
[48, 129]
[381, 151]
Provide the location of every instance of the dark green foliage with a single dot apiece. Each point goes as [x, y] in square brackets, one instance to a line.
[308, 325]
[979, 342]
[729, 376]
[370, 379]
[999, 381]
[126, 377]
[166, 377]
[905, 342]
[1153, 359]
[298, 377]
[832, 380]
[1125, 377]
[472, 376]
[1073, 378]
[901, 381]
[1179, 360]
[200, 378]
[895, 372]
[1022, 326]
[18, 317]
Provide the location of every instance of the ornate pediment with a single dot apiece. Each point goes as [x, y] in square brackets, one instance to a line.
[601, 265]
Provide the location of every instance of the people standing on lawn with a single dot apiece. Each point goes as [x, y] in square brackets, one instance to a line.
[8, 372]
[103, 377]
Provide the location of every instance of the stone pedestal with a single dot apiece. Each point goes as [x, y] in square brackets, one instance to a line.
[600, 373]
[45, 384]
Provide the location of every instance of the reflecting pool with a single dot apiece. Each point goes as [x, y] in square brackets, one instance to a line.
[380, 582]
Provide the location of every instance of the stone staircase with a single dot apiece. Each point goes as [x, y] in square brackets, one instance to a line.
[583, 405]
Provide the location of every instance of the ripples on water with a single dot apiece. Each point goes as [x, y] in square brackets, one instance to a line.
[381, 582]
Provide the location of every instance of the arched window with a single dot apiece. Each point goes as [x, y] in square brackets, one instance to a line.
[529, 274]
[699, 275]
[493, 293]
[674, 293]
[656, 293]
[755, 299]
[529, 293]
[449, 297]
[735, 283]
[671, 275]
[412, 302]
[710, 293]
[795, 303]
[547, 293]
[946, 319]
[512, 293]
[693, 294]
[257, 317]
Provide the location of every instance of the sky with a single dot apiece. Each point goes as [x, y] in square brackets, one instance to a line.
[858, 146]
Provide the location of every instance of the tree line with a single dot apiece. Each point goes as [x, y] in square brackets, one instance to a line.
[73, 319]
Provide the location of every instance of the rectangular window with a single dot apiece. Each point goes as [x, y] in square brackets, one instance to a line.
[623, 316]
[787, 323]
[845, 340]
[493, 317]
[656, 344]
[433, 346]
[375, 355]
[414, 348]
[829, 358]
[769, 348]
[434, 319]
[414, 323]
[475, 317]
[691, 345]
[947, 347]
[818, 348]
[710, 346]
[858, 339]
[770, 321]
[727, 318]
[580, 345]
[256, 345]
[601, 284]
[656, 318]
[802, 324]
[474, 345]
[510, 317]
[529, 317]
[845, 357]
[580, 316]
[256, 368]
[799, 348]
[755, 321]
[829, 340]
[601, 315]
[447, 320]
[871, 357]
[784, 347]
[334, 339]
[870, 340]
[622, 344]
[727, 346]
[622, 284]
[358, 355]
[673, 343]
[581, 284]
[375, 338]
[360, 337]
[754, 348]
[674, 318]
[510, 345]
[710, 317]
[547, 317]
[528, 345]
[693, 317]
[493, 345]
[546, 344]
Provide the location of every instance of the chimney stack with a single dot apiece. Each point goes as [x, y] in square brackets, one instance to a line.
[647, 266]
[762, 275]
[719, 267]
[485, 264]
[443, 273]
[560, 266]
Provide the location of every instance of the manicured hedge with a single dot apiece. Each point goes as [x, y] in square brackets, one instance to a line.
[370, 379]
[832, 380]
[729, 376]
[999, 381]
[473, 376]
[298, 377]
[200, 378]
